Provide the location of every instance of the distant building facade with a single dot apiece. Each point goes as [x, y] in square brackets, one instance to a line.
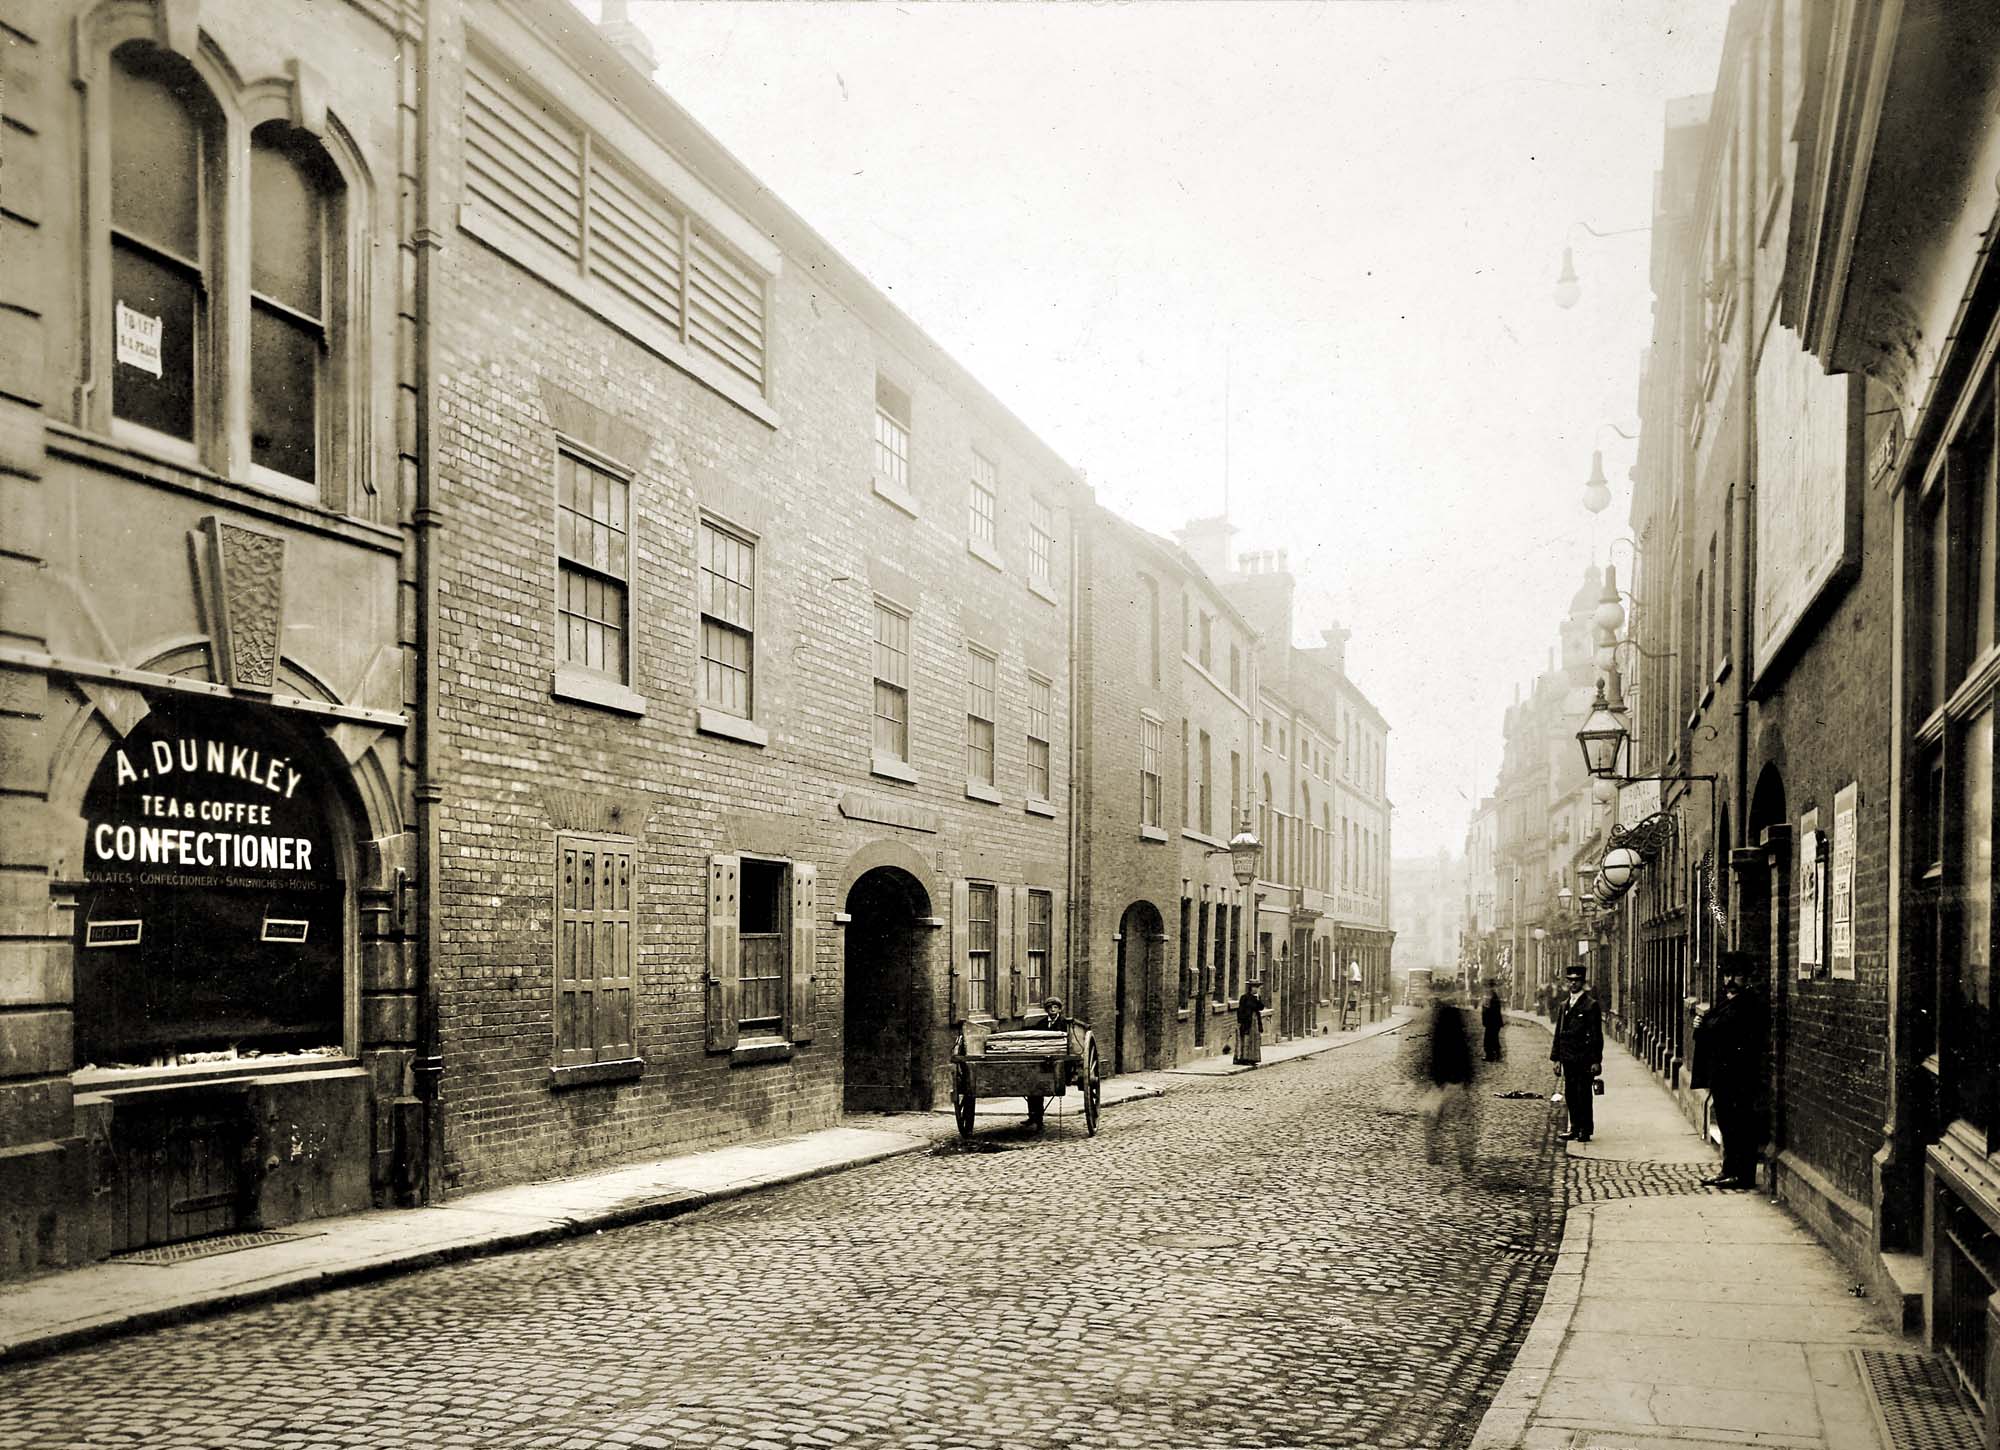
[1427, 894]
[1166, 673]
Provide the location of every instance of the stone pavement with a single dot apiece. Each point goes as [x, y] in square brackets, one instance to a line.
[52, 1312]
[1681, 1317]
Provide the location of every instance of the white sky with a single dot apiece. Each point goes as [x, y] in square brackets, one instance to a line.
[1347, 213]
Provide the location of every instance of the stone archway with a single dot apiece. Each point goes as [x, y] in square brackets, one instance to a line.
[886, 1049]
[1138, 1026]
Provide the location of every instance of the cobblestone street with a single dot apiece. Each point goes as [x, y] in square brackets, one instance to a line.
[1261, 1260]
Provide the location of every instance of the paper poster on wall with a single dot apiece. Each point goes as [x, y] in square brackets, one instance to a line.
[1812, 896]
[1841, 947]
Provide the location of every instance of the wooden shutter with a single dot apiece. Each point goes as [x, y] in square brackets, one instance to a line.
[595, 973]
[805, 949]
[961, 942]
[616, 972]
[723, 987]
[1017, 950]
[573, 988]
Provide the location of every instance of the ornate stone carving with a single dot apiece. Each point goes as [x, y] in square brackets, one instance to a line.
[247, 567]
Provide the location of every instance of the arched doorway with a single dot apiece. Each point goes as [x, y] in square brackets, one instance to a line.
[887, 933]
[1137, 1020]
[1765, 892]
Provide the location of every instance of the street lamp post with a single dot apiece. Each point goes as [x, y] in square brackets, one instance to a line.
[1567, 286]
[1246, 856]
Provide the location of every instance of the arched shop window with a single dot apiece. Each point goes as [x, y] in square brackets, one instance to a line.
[212, 921]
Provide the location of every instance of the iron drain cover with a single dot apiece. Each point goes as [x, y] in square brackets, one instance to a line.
[1916, 1403]
[206, 1248]
[1193, 1240]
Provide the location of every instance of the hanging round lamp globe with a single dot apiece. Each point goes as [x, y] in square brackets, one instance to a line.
[1620, 865]
[1609, 616]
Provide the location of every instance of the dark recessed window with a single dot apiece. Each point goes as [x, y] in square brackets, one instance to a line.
[288, 234]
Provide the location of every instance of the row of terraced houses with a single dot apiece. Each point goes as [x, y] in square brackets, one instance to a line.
[515, 657]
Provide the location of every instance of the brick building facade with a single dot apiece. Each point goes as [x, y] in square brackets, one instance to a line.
[757, 608]
[1762, 579]
[1321, 806]
[1166, 672]
[1890, 283]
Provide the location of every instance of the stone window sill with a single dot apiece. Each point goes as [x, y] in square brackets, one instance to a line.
[985, 553]
[587, 1074]
[979, 790]
[1040, 808]
[902, 498]
[582, 687]
[760, 1049]
[1043, 591]
[730, 727]
[890, 768]
[1152, 833]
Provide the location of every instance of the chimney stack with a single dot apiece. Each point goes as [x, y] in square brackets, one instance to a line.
[626, 38]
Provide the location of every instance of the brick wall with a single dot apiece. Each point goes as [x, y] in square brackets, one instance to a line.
[518, 761]
[1825, 725]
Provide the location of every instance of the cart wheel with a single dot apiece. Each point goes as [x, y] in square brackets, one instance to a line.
[962, 1099]
[1093, 1088]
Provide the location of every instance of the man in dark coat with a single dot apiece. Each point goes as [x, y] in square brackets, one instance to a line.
[1728, 1061]
[1492, 1017]
[1578, 1053]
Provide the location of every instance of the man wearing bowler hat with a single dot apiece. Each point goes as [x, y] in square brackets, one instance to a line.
[1578, 1052]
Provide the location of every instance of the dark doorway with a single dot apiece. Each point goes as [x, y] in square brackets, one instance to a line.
[884, 1069]
[1138, 1023]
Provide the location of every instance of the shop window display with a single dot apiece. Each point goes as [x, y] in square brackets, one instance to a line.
[212, 916]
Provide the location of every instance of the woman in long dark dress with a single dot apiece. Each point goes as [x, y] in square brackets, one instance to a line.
[1250, 1025]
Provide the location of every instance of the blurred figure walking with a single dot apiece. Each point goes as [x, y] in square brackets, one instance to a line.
[1448, 1074]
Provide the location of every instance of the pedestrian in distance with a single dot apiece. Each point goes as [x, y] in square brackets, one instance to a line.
[1250, 1024]
[1729, 1062]
[1578, 1053]
[1492, 1017]
[1448, 1074]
